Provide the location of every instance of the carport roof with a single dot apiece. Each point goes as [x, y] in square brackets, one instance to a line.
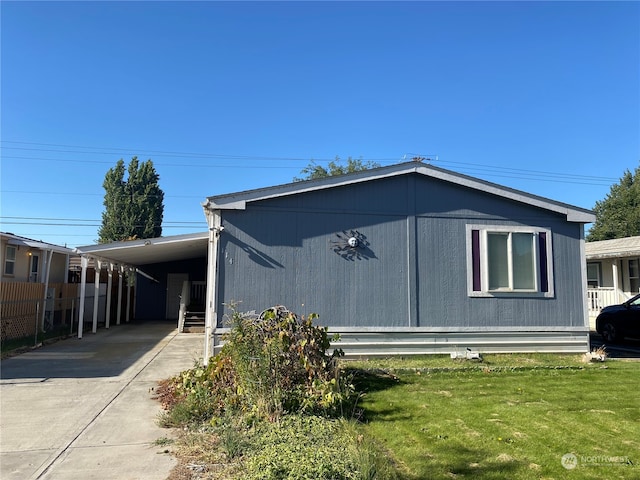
[151, 250]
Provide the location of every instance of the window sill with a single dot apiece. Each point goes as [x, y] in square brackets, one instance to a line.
[511, 294]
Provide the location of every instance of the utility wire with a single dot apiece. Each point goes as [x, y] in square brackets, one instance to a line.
[160, 164]
[81, 219]
[488, 169]
[469, 168]
[113, 151]
[158, 153]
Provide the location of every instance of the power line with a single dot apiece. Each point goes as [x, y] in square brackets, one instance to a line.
[493, 170]
[157, 164]
[96, 194]
[83, 220]
[533, 178]
[58, 224]
[157, 153]
[118, 151]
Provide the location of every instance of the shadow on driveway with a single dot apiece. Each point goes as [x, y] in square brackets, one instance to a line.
[107, 353]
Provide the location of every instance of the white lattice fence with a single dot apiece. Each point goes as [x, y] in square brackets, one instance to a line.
[20, 305]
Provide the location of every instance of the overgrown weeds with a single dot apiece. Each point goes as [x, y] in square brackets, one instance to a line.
[270, 405]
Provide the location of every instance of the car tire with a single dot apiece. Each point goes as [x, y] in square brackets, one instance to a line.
[610, 333]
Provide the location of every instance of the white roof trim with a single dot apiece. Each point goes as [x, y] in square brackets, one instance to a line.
[129, 244]
[239, 200]
[28, 242]
[149, 250]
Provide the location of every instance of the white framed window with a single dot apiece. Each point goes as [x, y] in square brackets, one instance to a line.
[634, 276]
[508, 261]
[593, 274]
[10, 260]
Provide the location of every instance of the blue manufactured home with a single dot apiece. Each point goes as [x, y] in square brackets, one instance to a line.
[404, 259]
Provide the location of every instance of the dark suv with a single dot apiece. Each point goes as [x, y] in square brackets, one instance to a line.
[618, 321]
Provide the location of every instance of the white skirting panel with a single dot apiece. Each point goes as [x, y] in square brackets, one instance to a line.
[406, 342]
[418, 343]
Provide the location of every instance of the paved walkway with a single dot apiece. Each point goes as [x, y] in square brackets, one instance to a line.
[83, 409]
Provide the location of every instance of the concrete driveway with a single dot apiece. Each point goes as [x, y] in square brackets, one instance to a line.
[83, 409]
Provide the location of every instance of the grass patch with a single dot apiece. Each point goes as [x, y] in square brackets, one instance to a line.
[444, 362]
[511, 416]
[295, 447]
[422, 417]
[162, 442]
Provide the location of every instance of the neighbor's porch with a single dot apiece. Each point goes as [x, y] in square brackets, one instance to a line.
[610, 281]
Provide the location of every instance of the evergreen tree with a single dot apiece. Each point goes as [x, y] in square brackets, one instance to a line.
[313, 170]
[133, 206]
[618, 215]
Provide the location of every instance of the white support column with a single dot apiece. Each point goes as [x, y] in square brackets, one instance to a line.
[211, 318]
[96, 293]
[107, 320]
[128, 296]
[84, 262]
[616, 287]
[48, 257]
[120, 281]
[583, 283]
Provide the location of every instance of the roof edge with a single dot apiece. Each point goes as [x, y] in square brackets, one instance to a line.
[19, 240]
[143, 242]
[239, 200]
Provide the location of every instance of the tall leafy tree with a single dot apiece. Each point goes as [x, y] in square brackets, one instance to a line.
[134, 205]
[618, 215]
[335, 167]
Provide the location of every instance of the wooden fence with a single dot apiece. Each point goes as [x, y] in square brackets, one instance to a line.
[22, 304]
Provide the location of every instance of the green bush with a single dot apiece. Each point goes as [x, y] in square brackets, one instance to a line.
[269, 365]
[198, 394]
[282, 365]
[268, 398]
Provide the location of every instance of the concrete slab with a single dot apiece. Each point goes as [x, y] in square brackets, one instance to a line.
[82, 409]
[124, 462]
[130, 419]
[23, 464]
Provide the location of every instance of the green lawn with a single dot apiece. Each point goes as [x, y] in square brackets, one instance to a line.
[507, 417]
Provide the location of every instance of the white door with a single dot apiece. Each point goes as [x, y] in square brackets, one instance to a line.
[174, 289]
[34, 267]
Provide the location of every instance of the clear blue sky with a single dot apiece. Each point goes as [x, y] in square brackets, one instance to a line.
[541, 96]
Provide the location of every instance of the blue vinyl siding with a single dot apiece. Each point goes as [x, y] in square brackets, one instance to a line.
[151, 297]
[413, 273]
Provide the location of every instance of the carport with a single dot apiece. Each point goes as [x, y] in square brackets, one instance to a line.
[151, 259]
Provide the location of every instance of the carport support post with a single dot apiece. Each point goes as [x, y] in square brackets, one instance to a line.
[128, 295]
[120, 281]
[84, 262]
[109, 285]
[214, 220]
[96, 294]
[48, 258]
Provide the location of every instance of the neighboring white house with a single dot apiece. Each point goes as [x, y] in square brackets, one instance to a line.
[34, 288]
[27, 260]
[613, 272]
